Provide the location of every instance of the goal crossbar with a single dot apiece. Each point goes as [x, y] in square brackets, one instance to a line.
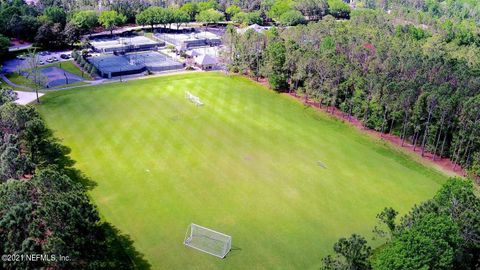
[207, 240]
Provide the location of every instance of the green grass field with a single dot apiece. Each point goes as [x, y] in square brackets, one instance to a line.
[246, 164]
[20, 80]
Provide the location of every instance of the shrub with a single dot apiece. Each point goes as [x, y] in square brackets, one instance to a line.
[339, 9]
[93, 71]
[248, 18]
[291, 18]
[233, 69]
[74, 54]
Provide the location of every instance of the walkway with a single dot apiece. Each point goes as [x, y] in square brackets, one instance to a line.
[24, 98]
[5, 79]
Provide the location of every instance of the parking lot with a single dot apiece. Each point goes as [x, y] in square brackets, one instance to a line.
[12, 65]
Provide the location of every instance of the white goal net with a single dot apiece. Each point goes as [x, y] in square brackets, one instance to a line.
[208, 241]
[194, 99]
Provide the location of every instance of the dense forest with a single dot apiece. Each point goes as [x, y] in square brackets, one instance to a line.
[405, 67]
[44, 208]
[396, 78]
[441, 233]
[60, 23]
[410, 72]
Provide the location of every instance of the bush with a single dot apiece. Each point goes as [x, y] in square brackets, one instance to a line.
[74, 54]
[248, 18]
[277, 81]
[240, 18]
[84, 52]
[291, 18]
[339, 9]
[233, 69]
[93, 71]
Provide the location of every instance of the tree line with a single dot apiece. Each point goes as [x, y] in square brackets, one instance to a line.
[44, 208]
[398, 79]
[441, 233]
[60, 23]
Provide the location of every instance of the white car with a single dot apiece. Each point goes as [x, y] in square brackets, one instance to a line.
[41, 63]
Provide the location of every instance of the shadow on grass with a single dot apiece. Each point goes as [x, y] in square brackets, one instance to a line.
[118, 251]
[79, 177]
[233, 251]
[61, 157]
[100, 244]
[121, 250]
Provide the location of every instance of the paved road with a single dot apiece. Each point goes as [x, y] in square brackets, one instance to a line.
[19, 47]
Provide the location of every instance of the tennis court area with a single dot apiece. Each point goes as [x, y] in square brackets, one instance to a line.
[125, 44]
[118, 65]
[57, 76]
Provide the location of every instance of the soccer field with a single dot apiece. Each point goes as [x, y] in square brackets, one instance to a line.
[283, 180]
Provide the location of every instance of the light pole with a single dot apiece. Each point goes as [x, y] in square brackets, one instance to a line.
[66, 77]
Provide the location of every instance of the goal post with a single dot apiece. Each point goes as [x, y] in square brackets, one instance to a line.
[207, 240]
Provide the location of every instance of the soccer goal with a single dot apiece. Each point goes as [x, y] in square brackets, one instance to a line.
[194, 99]
[208, 241]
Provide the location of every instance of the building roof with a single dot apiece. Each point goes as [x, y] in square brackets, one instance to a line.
[192, 53]
[254, 27]
[205, 60]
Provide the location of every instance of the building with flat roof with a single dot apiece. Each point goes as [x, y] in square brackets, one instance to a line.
[125, 44]
[191, 40]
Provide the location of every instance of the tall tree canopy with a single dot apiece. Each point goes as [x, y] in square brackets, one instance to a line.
[111, 19]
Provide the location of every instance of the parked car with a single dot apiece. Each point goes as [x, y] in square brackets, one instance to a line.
[41, 63]
[55, 59]
[64, 56]
[50, 60]
[21, 57]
